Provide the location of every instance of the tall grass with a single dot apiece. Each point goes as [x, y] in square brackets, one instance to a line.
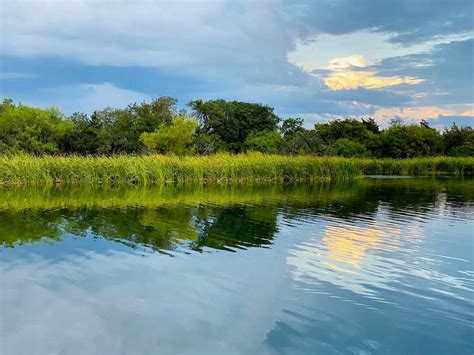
[153, 169]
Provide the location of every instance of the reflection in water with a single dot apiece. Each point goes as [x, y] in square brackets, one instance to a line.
[347, 244]
[371, 266]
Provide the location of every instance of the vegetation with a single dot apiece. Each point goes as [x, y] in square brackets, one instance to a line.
[151, 169]
[218, 141]
[176, 138]
[216, 126]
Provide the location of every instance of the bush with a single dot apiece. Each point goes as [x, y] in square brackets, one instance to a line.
[175, 139]
[265, 142]
[349, 148]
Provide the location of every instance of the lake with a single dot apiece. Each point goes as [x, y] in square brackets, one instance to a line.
[370, 266]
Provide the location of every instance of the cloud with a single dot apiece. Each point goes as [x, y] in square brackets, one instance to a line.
[406, 21]
[347, 62]
[84, 51]
[355, 79]
[447, 70]
[430, 113]
[340, 75]
[220, 40]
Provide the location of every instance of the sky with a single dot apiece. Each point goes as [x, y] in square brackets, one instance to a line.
[319, 60]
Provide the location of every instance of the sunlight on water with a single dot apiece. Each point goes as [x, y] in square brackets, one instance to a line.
[371, 266]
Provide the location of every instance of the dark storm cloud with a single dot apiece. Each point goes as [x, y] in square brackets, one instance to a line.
[408, 21]
[448, 71]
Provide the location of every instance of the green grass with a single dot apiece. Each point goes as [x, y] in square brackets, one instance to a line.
[154, 169]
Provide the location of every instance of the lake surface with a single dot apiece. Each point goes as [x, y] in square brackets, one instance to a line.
[379, 266]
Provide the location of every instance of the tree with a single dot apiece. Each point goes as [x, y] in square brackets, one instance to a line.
[349, 148]
[30, 129]
[160, 112]
[348, 128]
[264, 141]
[233, 121]
[292, 126]
[458, 141]
[112, 131]
[175, 139]
[83, 136]
[371, 125]
[408, 141]
[303, 142]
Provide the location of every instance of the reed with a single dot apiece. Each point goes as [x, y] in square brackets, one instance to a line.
[220, 168]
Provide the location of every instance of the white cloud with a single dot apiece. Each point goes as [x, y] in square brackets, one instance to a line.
[245, 40]
[242, 50]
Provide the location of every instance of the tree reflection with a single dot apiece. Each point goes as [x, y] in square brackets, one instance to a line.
[199, 217]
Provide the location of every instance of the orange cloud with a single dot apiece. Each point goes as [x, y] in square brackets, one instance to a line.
[368, 80]
[418, 113]
[342, 76]
[347, 245]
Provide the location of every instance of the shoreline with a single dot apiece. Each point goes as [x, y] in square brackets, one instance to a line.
[216, 169]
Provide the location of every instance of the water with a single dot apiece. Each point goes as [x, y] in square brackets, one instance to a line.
[374, 266]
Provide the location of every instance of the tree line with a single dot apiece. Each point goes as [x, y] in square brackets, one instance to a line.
[216, 126]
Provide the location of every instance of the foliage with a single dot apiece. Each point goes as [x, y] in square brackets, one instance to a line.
[409, 141]
[233, 121]
[348, 148]
[459, 141]
[264, 142]
[350, 129]
[31, 130]
[221, 126]
[292, 126]
[117, 131]
[298, 140]
[174, 139]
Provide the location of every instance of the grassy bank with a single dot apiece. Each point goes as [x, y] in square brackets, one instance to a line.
[28, 170]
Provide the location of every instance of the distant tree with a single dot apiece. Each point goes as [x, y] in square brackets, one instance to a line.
[371, 125]
[349, 148]
[159, 112]
[263, 141]
[31, 130]
[349, 128]
[303, 142]
[83, 137]
[206, 144]
[292, 126]
[233, 121]
[112, 131]
[458, 141]
[175, 139]
[408, 141]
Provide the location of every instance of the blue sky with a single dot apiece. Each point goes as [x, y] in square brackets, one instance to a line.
[314, 59]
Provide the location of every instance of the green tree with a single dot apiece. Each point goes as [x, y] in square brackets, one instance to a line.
[292, 126]
[349, 148]
[349, 128]
[112, 131]
[30, 129]
[83, 136]
[264, 141]
[458, 141]
[174, 139]
[303, 141]
[408, 141]
[233, 121]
